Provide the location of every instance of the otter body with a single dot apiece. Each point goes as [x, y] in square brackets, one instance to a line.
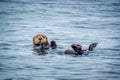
[77, 49]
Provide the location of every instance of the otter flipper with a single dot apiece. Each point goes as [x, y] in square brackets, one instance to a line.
[91, 46]
[53, 45]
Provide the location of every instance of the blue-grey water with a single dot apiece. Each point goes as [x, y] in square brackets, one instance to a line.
[66, 22]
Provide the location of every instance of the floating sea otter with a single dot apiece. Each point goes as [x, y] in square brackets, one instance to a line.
[41, 44]
[77, 49]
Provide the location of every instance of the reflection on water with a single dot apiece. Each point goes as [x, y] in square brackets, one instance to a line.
[66, 22]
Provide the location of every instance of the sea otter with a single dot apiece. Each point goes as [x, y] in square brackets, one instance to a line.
[41, 44]
[77, 49]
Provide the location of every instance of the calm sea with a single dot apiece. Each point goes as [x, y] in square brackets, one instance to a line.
[66, 22]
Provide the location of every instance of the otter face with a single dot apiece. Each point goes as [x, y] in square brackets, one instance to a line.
[40, 40]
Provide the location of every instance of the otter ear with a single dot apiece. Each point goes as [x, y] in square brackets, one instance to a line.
[91, 46]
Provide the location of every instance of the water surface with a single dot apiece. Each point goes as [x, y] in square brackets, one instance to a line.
[66, 22]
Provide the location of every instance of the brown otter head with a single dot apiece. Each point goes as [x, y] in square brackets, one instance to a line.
[40, 44]
[40, 39]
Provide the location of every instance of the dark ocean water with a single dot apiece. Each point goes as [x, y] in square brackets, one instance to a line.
[66, 22]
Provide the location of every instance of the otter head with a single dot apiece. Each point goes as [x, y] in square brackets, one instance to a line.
[40, 40]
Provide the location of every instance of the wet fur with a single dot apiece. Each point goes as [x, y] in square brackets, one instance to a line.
[37, 42]
[77, 49]
[41, 44]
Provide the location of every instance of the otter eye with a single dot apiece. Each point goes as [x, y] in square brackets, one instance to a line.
[40, 38]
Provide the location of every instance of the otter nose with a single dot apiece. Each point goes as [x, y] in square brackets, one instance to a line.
[40, 38]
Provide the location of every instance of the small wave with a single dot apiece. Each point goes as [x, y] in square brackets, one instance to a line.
[117, 46]
[64, 12]
[114, 49]
[114, 38]
[16, 79]
[110, 72]
[114, 64]
[4, 13]
[88, 27]
[6, 44]
[5, 48]
[8, 79]
[116, 4]
[47, 3]
[15, 1]
[7, 57]
[11, 30]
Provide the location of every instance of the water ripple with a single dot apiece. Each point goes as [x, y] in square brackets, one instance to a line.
[67, 22]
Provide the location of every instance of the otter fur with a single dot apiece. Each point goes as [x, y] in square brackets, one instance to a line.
[77, 49]
[41, 44]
